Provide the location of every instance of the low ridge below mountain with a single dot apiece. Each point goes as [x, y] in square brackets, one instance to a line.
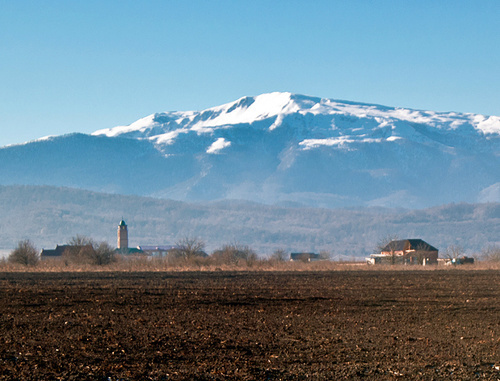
[53, 215]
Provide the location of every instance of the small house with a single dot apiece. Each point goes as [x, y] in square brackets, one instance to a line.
[406, 252]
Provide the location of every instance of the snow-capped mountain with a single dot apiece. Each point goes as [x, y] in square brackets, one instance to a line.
[278, 148]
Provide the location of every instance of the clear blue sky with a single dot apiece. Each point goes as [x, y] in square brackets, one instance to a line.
[79, 66]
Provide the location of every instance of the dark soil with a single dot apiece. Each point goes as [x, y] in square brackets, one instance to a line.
[291, 325]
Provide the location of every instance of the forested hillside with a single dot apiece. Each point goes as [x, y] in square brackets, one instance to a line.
[50, 216]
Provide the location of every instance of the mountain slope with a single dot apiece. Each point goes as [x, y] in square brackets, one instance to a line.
[278, 148]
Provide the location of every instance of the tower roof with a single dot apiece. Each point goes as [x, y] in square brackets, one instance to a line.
[122, 223]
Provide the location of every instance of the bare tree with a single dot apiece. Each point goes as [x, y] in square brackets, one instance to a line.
[102, 254]
[325, 255]
[279, 255]
[77, 249]
[80, 240]
[189, 248]
[385, 241]
[454, 251]
[491, 254]
[25, 254]
[388, 243]
[84, 250]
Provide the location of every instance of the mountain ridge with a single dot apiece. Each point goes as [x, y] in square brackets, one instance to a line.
[278, 148]
[287, 103]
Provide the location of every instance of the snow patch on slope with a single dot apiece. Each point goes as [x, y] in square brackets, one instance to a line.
[169, 137]
[341, 142]
[218, 146]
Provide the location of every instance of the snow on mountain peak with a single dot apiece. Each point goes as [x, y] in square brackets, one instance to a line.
[139, 126]
[315, 121]
[251, 109]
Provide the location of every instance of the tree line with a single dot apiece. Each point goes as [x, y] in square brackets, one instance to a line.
[82, 250]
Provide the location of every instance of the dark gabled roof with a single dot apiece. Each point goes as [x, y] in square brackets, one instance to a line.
[57, 252]
[409, 244]
[49, 253]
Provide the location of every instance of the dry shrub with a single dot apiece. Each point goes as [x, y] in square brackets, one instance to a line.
[234, 254]
[279, 255]
[173, 259]
[189, 248]
[83, 250]
[491, 254]
[25, 254]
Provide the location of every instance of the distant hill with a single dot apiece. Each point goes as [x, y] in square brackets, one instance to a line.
[278, 149]
[50, 215]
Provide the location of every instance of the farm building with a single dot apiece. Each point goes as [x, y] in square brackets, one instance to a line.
[53, 253]
[157, 250]
[58, 251]
[407, 252]
[304, 257]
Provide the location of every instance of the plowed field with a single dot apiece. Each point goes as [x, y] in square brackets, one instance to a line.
[256, 325]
